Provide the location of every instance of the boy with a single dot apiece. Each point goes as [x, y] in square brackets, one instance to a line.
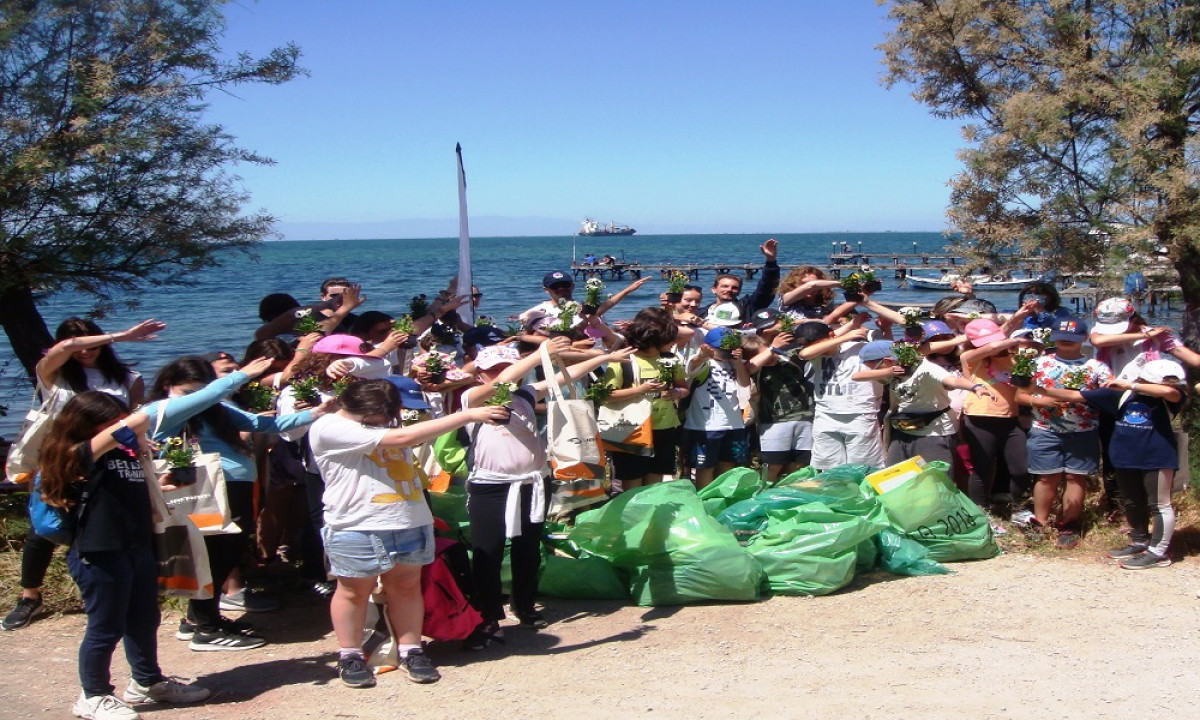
[717, 437]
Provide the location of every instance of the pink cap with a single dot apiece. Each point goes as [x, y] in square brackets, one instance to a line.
[341, 345]
[983, 331]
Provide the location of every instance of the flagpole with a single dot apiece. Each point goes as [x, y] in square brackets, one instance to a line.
[465, 283]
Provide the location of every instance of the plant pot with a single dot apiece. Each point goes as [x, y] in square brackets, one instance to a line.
[872, 286]
[914, 333]
[183, 476]
[587, 310]
[673, 297]
[409, 344]
[854, 297]
[909, 370]
[506, 417]
[437, 378]
[1020, 381]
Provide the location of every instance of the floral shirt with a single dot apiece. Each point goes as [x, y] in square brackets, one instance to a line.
[1054, 372]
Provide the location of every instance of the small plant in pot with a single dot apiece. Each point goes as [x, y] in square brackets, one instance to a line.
[502, 396]
[731, 341]
[591, 297]
[418, 307]
[907, 355]
[435, 365]
[1023, 366]
[180, 455]
[869, 283]
[851, 288]
[305, 389]
[306, 323]
[912, 322]
[598, 393]
[258, 397]
[404, 324]
[567, 310]
[340, 385]
[675, 283]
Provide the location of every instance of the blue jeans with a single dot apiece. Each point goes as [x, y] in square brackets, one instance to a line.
[120, 597]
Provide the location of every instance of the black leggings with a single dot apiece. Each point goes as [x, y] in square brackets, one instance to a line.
[35, 559]
[485, 508]
[989, 439]
[224, 554]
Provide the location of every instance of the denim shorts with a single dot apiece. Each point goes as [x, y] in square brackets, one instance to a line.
[367, 553]
[1077, 453]
[706, 448]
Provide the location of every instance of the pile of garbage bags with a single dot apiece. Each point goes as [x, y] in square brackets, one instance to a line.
[736, 540]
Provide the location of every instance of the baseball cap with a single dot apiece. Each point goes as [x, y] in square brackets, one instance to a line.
[713, 337]
[725, 314]
[1112, 316]
[1157, 371]
[974, 305]
[983, 331]
[810, 332]
[340, 345]
[933, 328]
[490, 357]
[483, 336]
[411, 396]
[1069, 329]
[556, 278]
[764, 319]
[875, 350]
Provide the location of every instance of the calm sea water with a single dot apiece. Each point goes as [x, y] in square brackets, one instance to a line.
[220, 312]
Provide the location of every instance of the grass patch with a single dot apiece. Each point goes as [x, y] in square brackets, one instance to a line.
[59, 593]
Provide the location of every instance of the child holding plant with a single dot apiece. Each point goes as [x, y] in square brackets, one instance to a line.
[717, 438]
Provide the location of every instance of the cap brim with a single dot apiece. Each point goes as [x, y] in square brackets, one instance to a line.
[1113, 328]
[981, 341]
[1067, 337]
[413, 401]
[724, 323]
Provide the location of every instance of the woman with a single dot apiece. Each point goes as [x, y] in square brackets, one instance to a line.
[112, 557]
[81, 359]
[197, 409]
[378, 526]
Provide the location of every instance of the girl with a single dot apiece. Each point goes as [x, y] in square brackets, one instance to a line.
[81, 359]
[112, 557]
[378, 526]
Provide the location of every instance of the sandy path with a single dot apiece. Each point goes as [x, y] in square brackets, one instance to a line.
[1014, 637]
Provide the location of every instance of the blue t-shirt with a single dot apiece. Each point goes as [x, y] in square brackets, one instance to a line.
[1142, 438]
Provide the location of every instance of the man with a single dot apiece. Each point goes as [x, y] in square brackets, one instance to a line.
[728, 288]
[340, 297]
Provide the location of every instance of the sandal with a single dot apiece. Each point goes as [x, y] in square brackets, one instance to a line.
[483, 635]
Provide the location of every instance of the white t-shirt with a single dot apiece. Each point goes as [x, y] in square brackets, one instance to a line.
[715, 405]
[512, 449]
[836, 392]
[923, 392]
[366, 487]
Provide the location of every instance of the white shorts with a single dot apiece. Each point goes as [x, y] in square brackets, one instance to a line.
[779, 443]
[839, 439]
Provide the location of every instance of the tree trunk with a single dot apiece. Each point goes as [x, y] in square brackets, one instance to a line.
[23, 323]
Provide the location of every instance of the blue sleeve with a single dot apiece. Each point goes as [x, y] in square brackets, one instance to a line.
[183, 408]
[1106, 400]
[764, 292]
[251, 422]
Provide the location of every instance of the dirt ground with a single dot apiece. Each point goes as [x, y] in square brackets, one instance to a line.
[1014, 637]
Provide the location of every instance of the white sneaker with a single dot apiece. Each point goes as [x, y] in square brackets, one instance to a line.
[169, 690]
[103, 707]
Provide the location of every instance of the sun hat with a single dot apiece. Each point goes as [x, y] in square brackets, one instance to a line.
[725, 314]
[411, 396]
[1112, 316]
[557, 277]
[1157, 371]
[490, 357]
[933, 328]
[875, 350]
[482, 336]
[341, 345]
[764, 319]
[1069, 329]
[983, 331]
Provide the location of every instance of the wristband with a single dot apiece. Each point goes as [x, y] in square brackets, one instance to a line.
[976, 386]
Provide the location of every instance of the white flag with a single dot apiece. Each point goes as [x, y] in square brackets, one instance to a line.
[464, 244]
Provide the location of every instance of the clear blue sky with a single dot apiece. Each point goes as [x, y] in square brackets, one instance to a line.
[701, 116]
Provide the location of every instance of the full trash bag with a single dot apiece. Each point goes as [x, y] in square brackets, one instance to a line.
[838, 488]
[902, 556]
[930, 510]
[674, 552]
[738, 484]
[810, 549]
[584, 577]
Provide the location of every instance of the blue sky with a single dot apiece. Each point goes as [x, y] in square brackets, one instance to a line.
[671, 117]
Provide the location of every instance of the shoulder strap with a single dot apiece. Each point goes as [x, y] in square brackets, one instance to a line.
[555, 391]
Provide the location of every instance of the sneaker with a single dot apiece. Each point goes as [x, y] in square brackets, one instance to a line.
[248, 601]
[484, 635]
[222, 640]
[1021, 518]
[420, 669]
[532, 619]
[1131, 550]
[997, 528]
[353, 671]
[1067, 540]
[1147, 559]
[103, 707]
[239, 627]
[23, 614]
[324, 588]
[168, 690]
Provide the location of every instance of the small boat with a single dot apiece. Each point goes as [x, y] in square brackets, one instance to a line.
[591, 228]
[981, 282]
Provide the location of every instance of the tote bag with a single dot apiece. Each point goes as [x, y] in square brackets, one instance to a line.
[206, 501]
[23, 454]
[572, 436]
[183, 569]
[626, 426]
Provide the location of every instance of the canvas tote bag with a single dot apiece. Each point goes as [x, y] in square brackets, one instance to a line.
[573, 446]
[626, 426]
[205, 501]
[183, 569]
[23, 454]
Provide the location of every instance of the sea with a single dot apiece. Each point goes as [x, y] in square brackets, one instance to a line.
[218, 310]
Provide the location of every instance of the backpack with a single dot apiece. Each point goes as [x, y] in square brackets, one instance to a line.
[54, 523]
[448, 613]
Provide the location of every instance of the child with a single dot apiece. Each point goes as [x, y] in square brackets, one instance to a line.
[717, 437]
[1064, 444]
[1144, 455]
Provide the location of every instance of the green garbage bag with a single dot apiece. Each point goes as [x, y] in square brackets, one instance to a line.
[902, 556]
[804, 473]
[868, 555]
[673, 550]
[841, 491]
[587, 577]
[748, 517]
[451, 507]
[854, 472]
[737, 484]
[810, 549]
[932, 511]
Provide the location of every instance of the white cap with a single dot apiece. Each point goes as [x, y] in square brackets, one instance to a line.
[724, 314]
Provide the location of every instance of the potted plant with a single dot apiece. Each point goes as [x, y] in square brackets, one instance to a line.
[409, 417]
[788, 322]
[598, 393]
[340, 385]
[483, 321]
[1023, 366]
[912, 322]
[418, 307]
[567, 310]
[851, 288]
[258, 397]
[591, 297]
[907, 355]
[502, 396]
[675, 282]
[513, 329]
[729, 342]
[435, 365]
[306, 323]
[404, 324]
[305, 389]
[179, 456]
[869, 284]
